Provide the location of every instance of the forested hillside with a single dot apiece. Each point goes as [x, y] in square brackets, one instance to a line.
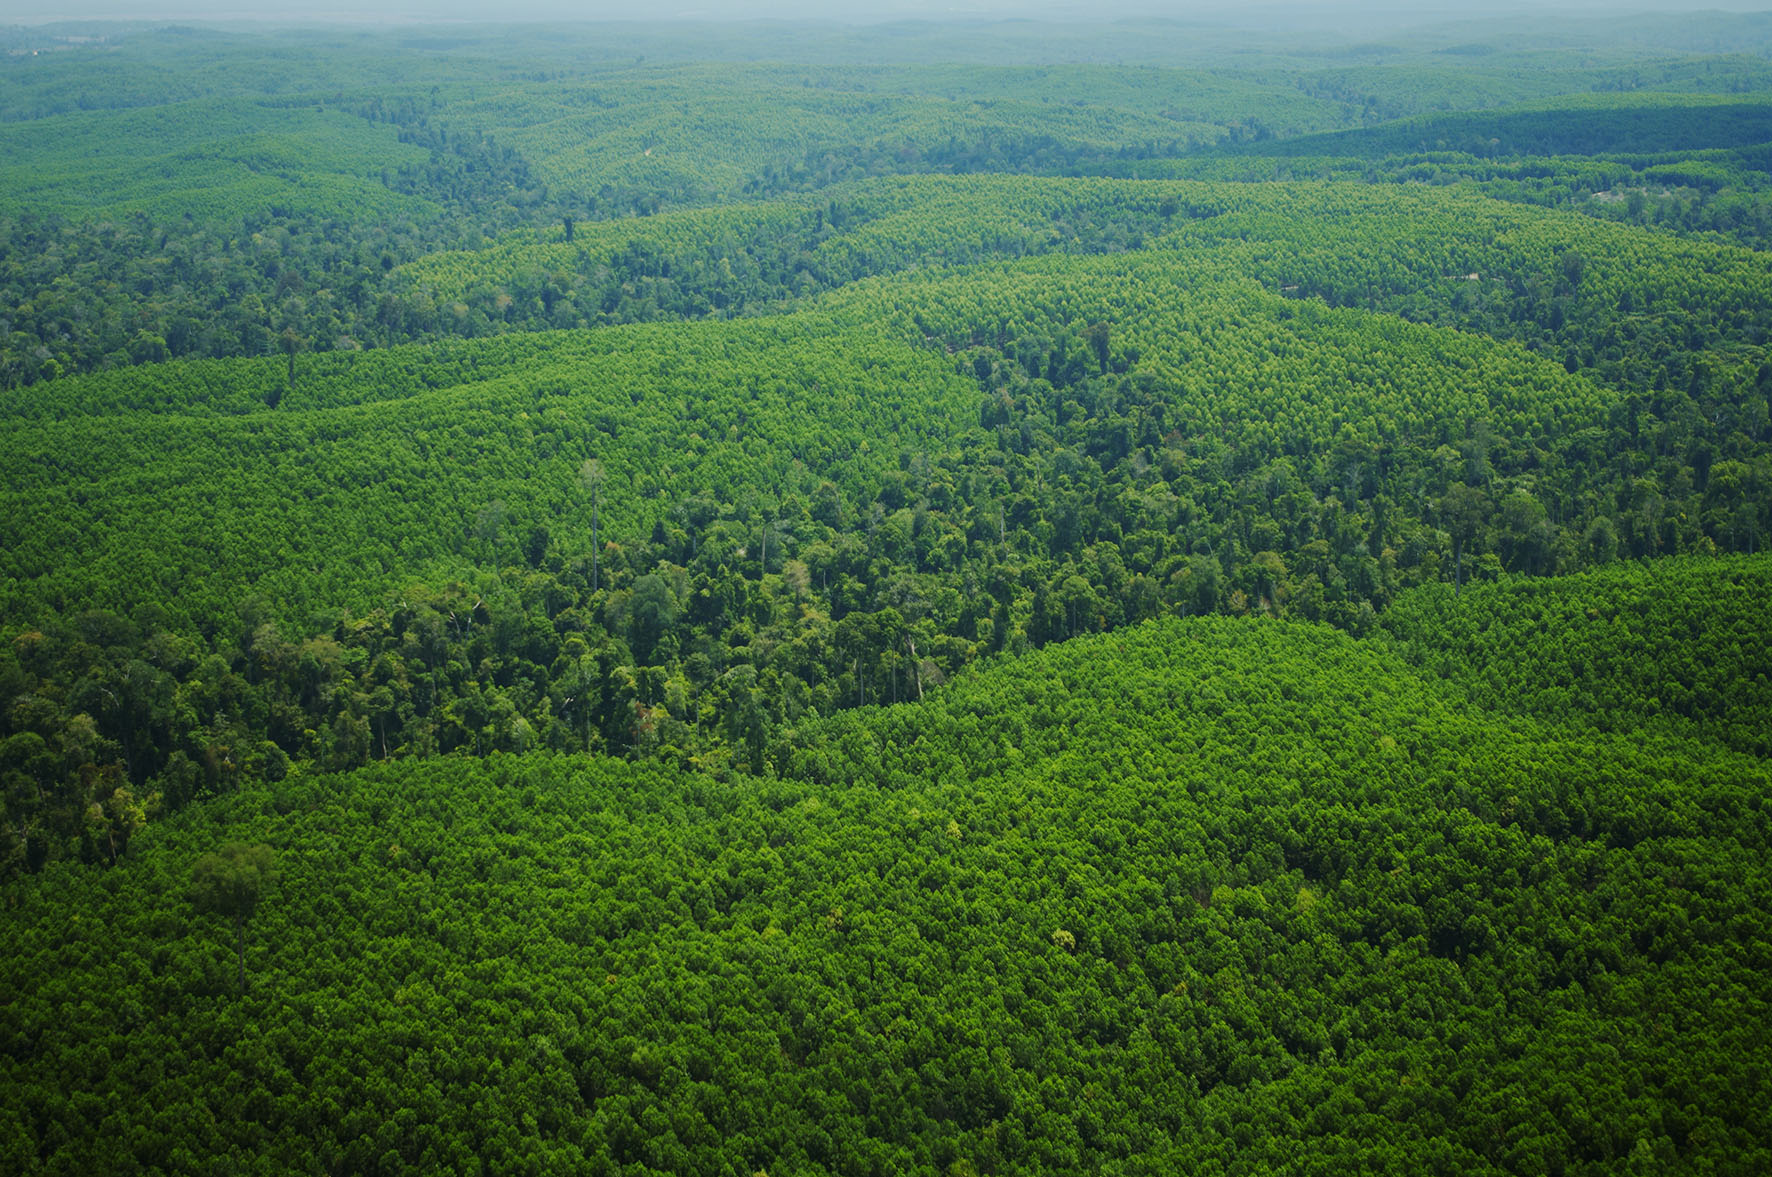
[965, 598]
[1658, 645]
[1233, 895]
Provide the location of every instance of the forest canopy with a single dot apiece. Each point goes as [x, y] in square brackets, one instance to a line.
[943, 598]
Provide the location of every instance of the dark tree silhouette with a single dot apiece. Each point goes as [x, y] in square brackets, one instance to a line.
[229, 882]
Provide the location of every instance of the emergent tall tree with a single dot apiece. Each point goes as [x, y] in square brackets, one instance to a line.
[590, 475]
[229, 882]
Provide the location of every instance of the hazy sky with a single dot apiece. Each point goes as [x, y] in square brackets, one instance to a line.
[1303, 11]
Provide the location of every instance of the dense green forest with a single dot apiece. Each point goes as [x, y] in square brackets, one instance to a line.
[974, 598]
[1229, 895]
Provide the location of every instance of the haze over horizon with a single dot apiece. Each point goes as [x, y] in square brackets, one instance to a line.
[1356, 19]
